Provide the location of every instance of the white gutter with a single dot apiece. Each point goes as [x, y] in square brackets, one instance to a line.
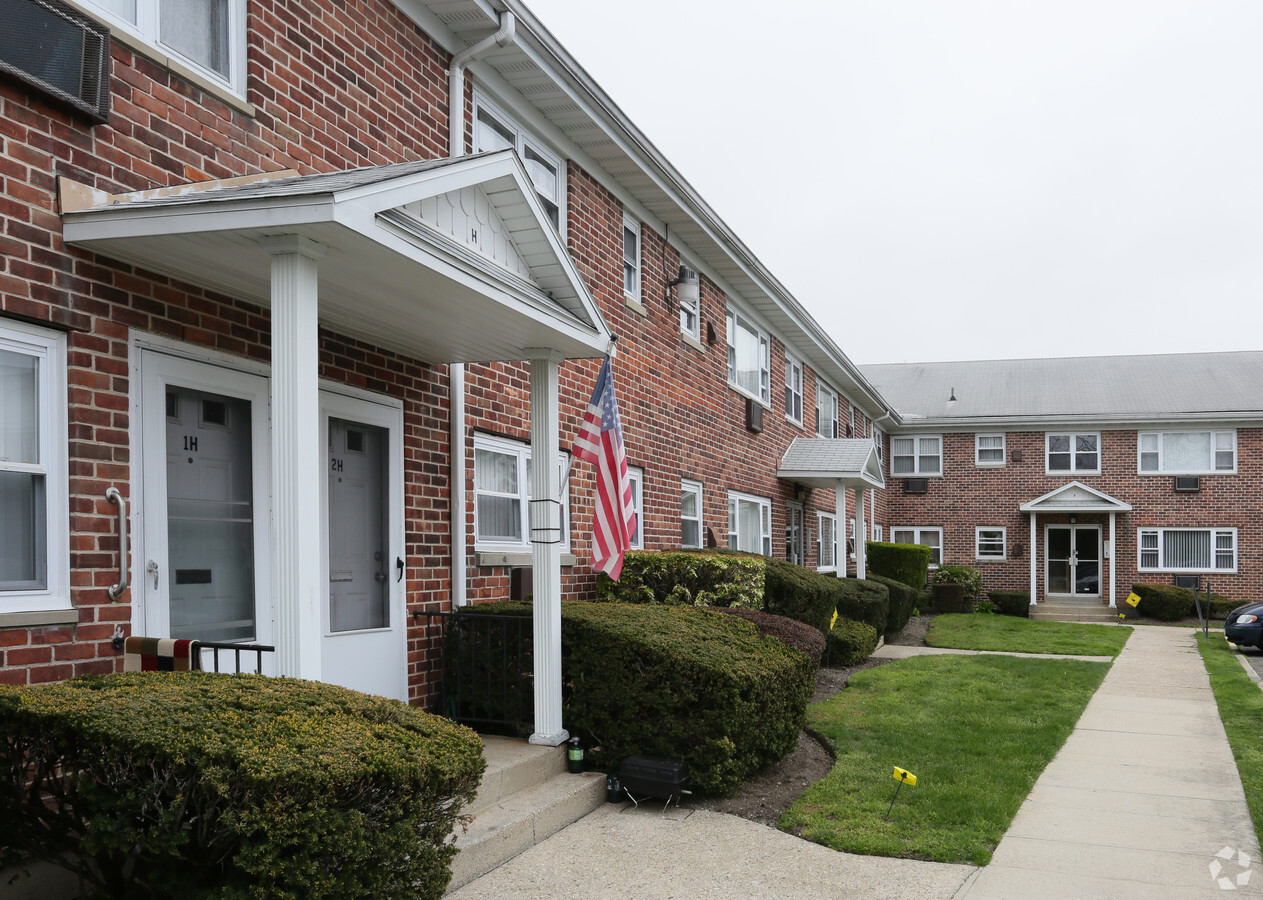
[456, 371]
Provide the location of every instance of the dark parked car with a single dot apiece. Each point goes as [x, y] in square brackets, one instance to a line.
[1244, 626]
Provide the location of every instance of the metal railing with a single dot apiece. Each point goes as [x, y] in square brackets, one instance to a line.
[237, 649]
[481, 669]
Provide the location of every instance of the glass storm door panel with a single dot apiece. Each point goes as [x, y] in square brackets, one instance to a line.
[358, 539]
[1087, 561]
[1074, 560]
[1059, 553]
[794, 538]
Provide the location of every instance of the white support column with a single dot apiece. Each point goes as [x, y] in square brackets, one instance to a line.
[861, 534]
[545, 521]
[297, 453]
[1113, 545]
[839, 503]
[1034, 563]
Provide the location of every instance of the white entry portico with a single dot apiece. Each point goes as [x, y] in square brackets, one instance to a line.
[1073, 551]
[443, 261]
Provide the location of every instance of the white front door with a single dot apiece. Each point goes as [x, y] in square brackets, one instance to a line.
[364, 644]
[1073, 560]
[203, 567]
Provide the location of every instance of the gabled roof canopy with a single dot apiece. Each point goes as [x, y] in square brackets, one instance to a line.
[1075, 497]
[450, 260]
[832, 463]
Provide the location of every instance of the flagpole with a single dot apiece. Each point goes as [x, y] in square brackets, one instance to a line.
[565, 476]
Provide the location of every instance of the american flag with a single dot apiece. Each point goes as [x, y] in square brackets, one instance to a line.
[600, 442]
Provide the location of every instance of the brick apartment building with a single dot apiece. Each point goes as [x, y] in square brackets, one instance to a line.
[292, 294]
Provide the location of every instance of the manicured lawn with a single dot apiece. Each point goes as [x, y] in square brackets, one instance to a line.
[1241, 709]
[973, 631]
[975, 730]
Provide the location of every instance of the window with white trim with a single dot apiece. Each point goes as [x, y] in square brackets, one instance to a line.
[877, 441]
[989, 449]
[34, 518]
[1188, 452]
[827, 542]
[749, 523]
[927, 537]
[1075, 452]
[748, 350]
[1188, 549]
[690, 513]
[921, 455]
[793, 390]
[502, 487]
[851, 431]
[876, 533]
[826, 410]
[691, 312]
[493, 130]
[989, 542]
[207, 35]
[636, 476]
[631, 258]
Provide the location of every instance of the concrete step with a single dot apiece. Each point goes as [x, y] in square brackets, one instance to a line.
[1071, 611]
[526, 796]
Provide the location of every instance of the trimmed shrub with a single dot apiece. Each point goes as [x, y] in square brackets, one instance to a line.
[1012, 603]
[800, 594]
[906, 563]
[796, 634]
[686, 579]
[969, 579]
[950, 598]
[850, 643]
[866, 601]
[1164, 602]
[164, 784]
[903, 600]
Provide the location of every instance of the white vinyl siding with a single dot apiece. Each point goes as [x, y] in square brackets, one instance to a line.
[1188, 549]
[502, 485]
[1188, 452]
[793, 390]
[749, 523]
[929, 537]
[826, 410]
[1073, 452]
[748, 362]
[989, 543]
[916, 455]
[690, 514]
[989, 449]
[827, 542]
[631, 258]
[493, 130]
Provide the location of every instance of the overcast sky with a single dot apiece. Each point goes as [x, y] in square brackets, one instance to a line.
[965, 179]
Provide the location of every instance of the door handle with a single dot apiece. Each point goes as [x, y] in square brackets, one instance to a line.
[116, 590]
[399, 568]
[379, 577]
[152, 568]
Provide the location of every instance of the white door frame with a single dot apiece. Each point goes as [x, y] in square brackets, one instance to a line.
[1073, 527]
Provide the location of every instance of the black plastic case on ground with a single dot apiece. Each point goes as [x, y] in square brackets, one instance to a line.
[656, 777]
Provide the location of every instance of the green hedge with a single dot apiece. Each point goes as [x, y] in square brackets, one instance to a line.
[905, 563]
[1012, 603]
[969, 579]
[802, 594]
[232, 786]
[850, 643]
[903, 600]
[795, 634]
[1164, 602]
[867, 601]
[687, 579]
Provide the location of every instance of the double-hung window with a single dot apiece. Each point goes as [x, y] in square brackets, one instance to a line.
[207, 35]
[826, 410]
[989, 543]
[495, 131]
[1074, 452]
[927, 537]
[827, 542]
[877, 441]
[690, 513]
[989, 449]
[636, 476]
[631, 258]
[922, 455]
[748, 362]
[1188, 452]
[793, 390]
[749, 523]
[1188, 549]
[691, 312]
[502, 495]
[34, 522]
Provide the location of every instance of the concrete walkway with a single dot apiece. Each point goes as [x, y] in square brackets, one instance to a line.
[1136, 805]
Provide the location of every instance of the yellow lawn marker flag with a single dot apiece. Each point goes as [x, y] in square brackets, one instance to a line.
[1133, 599]
[903, 776]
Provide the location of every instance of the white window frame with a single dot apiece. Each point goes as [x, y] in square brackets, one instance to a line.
[918, 454]
[917, 531]
[826, 535]
[876, 533]
[1074, 453]
[636, 476]
[526, 145]
[691, 313]
[979, 449]
[695, 488]
[877, 440]
[852, 432]
[735, 321]
[1221, 441]
[735, 500]
[827, 422]
[631, 264]
[793, 390]
[1158, 548]
[522, 453]
[146, 30]
[998, 547]
[53, 465]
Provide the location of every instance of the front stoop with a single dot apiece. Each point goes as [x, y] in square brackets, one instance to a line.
[1074, 611]
[526, 795]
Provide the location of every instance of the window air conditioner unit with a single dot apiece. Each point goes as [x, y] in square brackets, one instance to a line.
[1192, 582]
[1188, 484]
[59, 52]
[916, 485]
[754, 415]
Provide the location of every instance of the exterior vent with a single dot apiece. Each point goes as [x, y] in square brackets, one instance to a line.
[1016, 455]
[59, 52]
[754, 415]
[1188, 484]
[916, 485]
